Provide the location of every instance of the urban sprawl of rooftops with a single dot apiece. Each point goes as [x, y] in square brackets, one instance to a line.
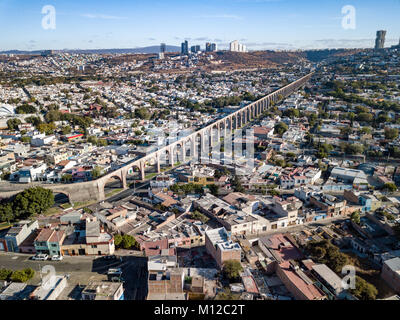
[321, 193]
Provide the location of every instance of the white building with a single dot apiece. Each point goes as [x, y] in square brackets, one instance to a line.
[235, 46]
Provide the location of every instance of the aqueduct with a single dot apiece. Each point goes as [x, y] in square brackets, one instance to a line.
[95, 189]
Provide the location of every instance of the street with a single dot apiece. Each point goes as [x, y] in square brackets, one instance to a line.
[83, 269]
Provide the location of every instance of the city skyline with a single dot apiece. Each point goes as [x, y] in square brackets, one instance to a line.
[258, 24]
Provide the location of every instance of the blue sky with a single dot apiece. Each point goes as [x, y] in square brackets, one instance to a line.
[260, 24]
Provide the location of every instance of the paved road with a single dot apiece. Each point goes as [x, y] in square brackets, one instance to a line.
[84, 269]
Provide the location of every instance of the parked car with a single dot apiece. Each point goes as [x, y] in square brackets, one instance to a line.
[40, 257]
[56, 258]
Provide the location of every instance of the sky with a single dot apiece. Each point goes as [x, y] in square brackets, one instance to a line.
[259, 24]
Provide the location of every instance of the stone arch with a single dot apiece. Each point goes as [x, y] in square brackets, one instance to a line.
[61, 197]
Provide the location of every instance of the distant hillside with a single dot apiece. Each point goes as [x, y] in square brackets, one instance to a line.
[145, 50]
[257, 59]
[319, 55]
[265, 59]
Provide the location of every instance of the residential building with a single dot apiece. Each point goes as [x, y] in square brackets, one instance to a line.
[221, 247]
[391, 273]
[103, 291]
[18, 233]
[50, 289]
[49, 241]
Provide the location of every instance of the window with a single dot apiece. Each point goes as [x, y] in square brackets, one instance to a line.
[94, 246]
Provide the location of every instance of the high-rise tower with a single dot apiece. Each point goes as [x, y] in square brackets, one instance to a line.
[380, 39]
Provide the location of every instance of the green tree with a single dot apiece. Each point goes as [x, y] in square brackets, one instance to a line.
[366, 130]
[25, 109]
[391, 187]
[214, 189]
[355, 217]
[67, 178]
[391, 134]
[281, 128]
[13, 124]
[142, 113]
[232, 269]
[227, 295]
[196, 215]
[47, 128]
[33, 201]
[237, 184]
[33, 120]
[22, 275]
[96, 172]
[117, 240]
[5, 274]
[364, 290]
[128, 242]
[66, 130]
[26, 139]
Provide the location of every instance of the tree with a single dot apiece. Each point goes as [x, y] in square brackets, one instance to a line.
[128, 242]
[227, 295]
[325, 252]
[391, 187]
[281, 128]
[391, 134]
[232, 269]
[366, 130]
[26, 139]
[6, 212]
[355, 217]
[13, 124]
[66, 130]
[5, 274]
[33, 201]
[96, 172]
[364, 117]
[67, 178]
[142, 113]
[33, 120]
[214, 189]
[291, 113]
[364, 290]
[117, 240]
[25, 109]
[22, 275]
[196, 215]
[237, 184]
[47, 128]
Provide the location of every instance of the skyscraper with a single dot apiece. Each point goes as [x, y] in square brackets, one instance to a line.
[211, 47]
[195, 49]
[163, 48]
[185, 48]
[235, 46]
[380, 39]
